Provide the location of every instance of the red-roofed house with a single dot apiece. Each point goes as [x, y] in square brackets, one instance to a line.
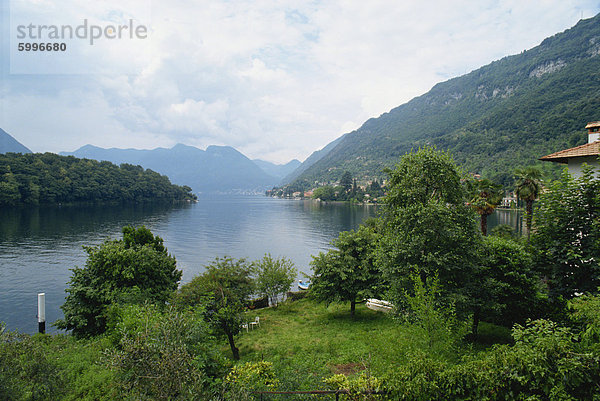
[575, 157]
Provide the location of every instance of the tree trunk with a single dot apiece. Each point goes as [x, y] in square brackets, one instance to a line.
[529, 217]
[475, 325]
[352, 307]
[484, 224]
[234, 349]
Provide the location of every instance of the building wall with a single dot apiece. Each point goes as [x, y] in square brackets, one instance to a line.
[576, 163]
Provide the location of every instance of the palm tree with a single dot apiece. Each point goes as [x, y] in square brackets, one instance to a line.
[528, 185]
[485, 197]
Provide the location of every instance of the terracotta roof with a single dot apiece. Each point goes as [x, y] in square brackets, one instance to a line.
[589, 149]
[593, 124]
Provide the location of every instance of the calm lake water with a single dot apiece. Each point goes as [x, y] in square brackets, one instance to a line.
[39, 246]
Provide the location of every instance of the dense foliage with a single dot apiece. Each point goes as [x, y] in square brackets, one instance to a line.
[567, 234]
[134, 269]
[274, 276]
[428, 230]
[47, 178]
[224, 290]
[163, 354]
[501, 116]
[348, 272]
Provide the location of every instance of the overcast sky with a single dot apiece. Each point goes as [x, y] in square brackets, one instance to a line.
[277, 80]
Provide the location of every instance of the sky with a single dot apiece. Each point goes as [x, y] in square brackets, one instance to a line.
[275, 79]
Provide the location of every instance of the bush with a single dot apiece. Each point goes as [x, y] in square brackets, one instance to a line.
[163, 354]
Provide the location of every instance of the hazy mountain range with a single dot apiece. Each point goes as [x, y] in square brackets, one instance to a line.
[216, 169]
[9, 144]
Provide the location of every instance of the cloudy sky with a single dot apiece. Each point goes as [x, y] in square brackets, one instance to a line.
[274, 79]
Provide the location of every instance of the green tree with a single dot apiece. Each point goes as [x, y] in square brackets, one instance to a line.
[346, 181]
[509, 290]
[326, 193]
[223, 290]
[485, 197]
[428, 229]
[567, 234]
[274, 277]
[347, 273]
[136, 268]
[528, 185]
[9, 188]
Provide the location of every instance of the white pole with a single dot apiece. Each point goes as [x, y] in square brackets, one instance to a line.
[42, 312]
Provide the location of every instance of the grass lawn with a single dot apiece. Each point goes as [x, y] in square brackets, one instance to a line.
[307, 341]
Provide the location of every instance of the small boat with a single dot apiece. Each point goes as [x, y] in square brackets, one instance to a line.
[379, 305]
[303, 285]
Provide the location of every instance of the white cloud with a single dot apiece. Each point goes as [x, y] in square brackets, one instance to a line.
[275, 79]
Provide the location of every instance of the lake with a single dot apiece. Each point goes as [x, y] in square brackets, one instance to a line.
[39, 246]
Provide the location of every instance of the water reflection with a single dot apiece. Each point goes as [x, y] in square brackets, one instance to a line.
[38, 246]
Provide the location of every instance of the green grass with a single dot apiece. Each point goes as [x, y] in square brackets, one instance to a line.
[308, 341]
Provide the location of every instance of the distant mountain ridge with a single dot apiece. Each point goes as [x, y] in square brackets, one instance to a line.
[311, 160]
[216, 169]
[277, 170]
[500, 116]
[9, 144]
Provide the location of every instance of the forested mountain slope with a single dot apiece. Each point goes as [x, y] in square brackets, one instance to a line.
[503, 115]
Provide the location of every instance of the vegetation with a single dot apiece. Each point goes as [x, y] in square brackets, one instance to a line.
[485, 197]
[346, 190]
[163, 354]
[134, 269]
[347, 273]
[527, 188]
[274, 277]
[223, 290]
[567, 236]
[36, 178]
[438, 270]
[428, 230]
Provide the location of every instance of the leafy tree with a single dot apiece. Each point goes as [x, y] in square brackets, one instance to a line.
[346, 181]
[9, 188]
[136, 268]
[435, 322]
[428, 229]
[274, 276]
[485, 197]
[347, 273]
[509, 288]
[567, 234]
[528, 186]
[326, 193]
[223, 290]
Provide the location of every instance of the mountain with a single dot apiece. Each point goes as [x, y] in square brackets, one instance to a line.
[9, 144]
[503, 115]
[277, 170]
[312, 159]
[216, 169]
